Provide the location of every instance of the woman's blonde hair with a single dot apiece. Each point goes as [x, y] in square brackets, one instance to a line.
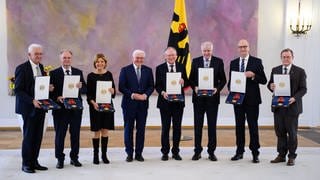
[98, 56]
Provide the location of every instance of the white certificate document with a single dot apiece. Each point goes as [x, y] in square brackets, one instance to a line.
[41, 87]
[205, 79]
[102, 92]
[173, 86]
[282, 82]
[238, 82]
[70, 89]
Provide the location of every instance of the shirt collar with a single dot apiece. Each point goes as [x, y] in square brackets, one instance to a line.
[288, 67]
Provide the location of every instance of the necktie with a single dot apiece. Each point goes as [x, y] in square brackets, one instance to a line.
[171, 68]
[68, 72]
[138, 74]
[285, 70]
[38, 71]
[207, 63]
[242, 65]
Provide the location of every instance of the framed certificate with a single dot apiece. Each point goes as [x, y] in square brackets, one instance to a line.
[70, 89]
[238, 82]
[173, 87]
[102, 92]
[41, 87]
[205, 81]
[282, 83]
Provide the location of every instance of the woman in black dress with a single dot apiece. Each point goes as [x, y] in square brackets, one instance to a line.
[100, 122]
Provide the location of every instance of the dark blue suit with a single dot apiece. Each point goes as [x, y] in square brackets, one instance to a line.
[250, 108]
[33, 118]
[206, 105]
[134, 110]
[169, 111]
[64, 117]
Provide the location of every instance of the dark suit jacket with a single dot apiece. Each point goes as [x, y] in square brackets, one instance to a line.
[161, 85]
[298, 87]
[252, 95]
[24, 88]
[128, 84]
[57, 78]
[219, 76]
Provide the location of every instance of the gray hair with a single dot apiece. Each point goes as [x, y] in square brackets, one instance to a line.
[138, 51]
[207, 44]
[33, 46]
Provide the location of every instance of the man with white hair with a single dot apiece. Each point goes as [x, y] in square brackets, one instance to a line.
[29, 108]
[136, 84]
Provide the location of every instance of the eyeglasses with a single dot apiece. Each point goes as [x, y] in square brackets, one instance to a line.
[242, 47]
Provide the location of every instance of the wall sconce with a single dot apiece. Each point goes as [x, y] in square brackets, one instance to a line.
[300, 28]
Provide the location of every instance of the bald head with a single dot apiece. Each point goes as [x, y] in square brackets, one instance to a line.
[243, 48]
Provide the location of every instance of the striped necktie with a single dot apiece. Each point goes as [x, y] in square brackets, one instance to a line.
[242, 65]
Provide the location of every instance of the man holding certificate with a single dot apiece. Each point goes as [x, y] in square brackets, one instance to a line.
[286, 118]
[207, 79]
[170, 79]
[68, 82]
[252, 68]
[29, 108]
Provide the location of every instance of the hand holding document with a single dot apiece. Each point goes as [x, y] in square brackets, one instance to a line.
[237, 88]
[173, 87]
[70, 92]
[41, 93]
[103, 96]
[281, 91]
[206, 82]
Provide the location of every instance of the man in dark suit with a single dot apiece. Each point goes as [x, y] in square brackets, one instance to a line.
[286, 118]
[249, 109]
[63, 118]
[206, 104]
[170, 111]
[136, 84]
[29, 108]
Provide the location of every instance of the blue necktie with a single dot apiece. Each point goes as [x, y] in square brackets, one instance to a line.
[285, 70]
[242, 65]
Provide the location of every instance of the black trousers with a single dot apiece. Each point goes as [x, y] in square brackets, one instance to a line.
[172, 114]
[286, 127]
[32, 137]
[251, 114]
[62, 120]
[211, 110]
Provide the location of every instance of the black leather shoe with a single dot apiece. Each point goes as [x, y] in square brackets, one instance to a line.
[129, 159]
[255, 159]
[76, 163]
[196, 157]
[165, 157]
[291, 162]
[176, 157]
[40, 168]
[27, 169]
[278, 159]
[139, 158]
[237, 157]
[212, 157]
[60, 164]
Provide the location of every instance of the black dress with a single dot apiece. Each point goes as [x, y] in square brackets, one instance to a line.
[99, 120]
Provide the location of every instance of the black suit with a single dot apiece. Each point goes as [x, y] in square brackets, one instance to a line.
[250, 107]
[286, 119]
[33, 118]
[64, 117]
[169, 111]
[206, 105]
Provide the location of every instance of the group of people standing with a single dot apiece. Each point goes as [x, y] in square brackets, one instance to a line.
[136, 83]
